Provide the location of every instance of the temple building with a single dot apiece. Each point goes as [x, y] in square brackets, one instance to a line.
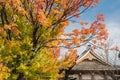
[90, 66]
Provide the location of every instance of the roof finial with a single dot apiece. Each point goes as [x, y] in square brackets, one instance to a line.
[88, 46]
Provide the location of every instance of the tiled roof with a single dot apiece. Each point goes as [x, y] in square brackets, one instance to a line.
[89, 66]
[93, 67]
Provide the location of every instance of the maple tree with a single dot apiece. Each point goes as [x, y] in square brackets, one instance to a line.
[30, 37]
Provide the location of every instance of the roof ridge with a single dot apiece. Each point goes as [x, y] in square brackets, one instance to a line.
[94, 54]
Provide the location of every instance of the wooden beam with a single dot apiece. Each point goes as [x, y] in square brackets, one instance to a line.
[105, 76]
[80, 76]
[93, 76]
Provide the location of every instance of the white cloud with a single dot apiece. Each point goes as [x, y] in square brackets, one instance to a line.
[114, 31]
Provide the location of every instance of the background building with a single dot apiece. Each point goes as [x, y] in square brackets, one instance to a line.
[90, 66]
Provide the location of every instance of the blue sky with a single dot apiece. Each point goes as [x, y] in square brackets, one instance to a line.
[111, 10]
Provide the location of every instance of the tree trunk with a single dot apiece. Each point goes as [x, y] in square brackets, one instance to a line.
[66, 75]
[20, 77]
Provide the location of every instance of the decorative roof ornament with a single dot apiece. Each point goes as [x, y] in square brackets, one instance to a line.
[88, 47]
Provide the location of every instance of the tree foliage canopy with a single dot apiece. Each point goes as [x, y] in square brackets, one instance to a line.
[30, 37]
